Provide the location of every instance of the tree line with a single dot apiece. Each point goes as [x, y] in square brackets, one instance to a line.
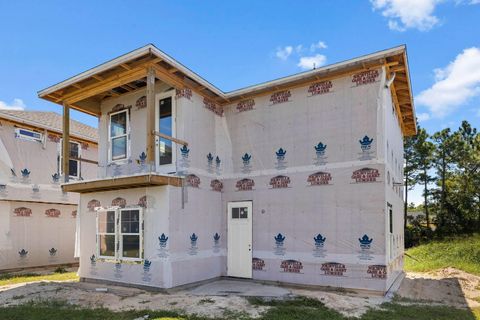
[446, 165]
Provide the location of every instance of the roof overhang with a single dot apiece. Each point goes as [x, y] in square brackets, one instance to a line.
[127, 73]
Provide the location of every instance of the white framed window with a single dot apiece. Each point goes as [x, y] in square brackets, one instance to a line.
[106, 234]
[120, 234]
[130, 233]
[74, 169]
[29, 135]
[165, 113]
[118, 136]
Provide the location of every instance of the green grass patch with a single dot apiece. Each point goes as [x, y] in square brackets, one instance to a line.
[53, 310]
[393, 311]
[8, 278]
[290, 309]
[460, 252]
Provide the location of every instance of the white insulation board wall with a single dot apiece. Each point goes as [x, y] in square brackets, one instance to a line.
[31, 232]
[338, 193]
[175, 261]
[29, 237]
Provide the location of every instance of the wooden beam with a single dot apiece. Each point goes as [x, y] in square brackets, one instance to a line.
[164, 136]
[176, 81]
[106, 85]
[66, 142]
[84, 160]
[396, 104]
[126, 87]
[126, 66]
[397, 68]
[146, 180]
[150, 115]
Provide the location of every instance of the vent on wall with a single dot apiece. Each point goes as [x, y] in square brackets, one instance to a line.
[30, 135]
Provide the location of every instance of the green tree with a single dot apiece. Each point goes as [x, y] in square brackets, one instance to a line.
[444, 152]
[423, 161]
[467, 175]
[410, 171]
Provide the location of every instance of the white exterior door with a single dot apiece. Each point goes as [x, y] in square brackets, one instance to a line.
[239, 245]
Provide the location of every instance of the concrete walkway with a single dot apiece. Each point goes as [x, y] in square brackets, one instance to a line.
[239, 287]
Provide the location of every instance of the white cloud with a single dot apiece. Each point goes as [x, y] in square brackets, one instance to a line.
[423, 116]
[299, 51]
[284, 53]
[17, 104]
[454, 85]
[412, 14]
[315, 61]
[319, 45]
[408, 14]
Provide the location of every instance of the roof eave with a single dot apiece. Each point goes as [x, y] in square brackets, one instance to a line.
[318, 71]
[45, 127]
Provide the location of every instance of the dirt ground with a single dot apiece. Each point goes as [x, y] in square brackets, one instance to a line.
[447, 287]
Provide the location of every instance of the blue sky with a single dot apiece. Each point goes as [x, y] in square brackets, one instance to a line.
[238, 43]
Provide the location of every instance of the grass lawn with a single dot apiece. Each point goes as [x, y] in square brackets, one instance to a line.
[296, 309]
[460, 252]
[8, 278]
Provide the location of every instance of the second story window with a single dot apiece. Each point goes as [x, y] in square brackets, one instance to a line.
[74, 169]
[118, 135]
[165, 124]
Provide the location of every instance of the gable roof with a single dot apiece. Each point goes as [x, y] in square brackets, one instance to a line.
[51, 121]
[85, 91]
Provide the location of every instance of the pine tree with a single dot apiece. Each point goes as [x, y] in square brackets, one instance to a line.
[423, 160]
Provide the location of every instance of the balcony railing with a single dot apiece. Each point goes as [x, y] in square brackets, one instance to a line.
[141, 166]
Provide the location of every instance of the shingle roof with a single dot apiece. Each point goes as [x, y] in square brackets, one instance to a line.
[51, 121]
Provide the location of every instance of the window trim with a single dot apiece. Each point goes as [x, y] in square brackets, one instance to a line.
[98, 234]
[170, 167]
[28, 138]
[121, 234]
[118, 256]
[60, 159]
[126, 135]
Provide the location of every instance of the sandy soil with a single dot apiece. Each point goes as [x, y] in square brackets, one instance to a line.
[121, 298]
[447, 286]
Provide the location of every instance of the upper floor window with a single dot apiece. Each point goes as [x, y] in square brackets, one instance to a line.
[165, 124]
[28, 135]
[74, 169]
[118, 135]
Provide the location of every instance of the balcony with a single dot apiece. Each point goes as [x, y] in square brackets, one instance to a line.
[123, 182]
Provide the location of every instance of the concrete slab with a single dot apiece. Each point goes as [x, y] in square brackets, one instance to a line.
[243, 288]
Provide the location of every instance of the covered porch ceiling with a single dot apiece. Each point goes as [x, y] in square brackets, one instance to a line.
[128, 73]
[125, 74]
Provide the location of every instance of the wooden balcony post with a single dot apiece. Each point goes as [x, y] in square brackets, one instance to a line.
[66, 142]
[150, 115]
